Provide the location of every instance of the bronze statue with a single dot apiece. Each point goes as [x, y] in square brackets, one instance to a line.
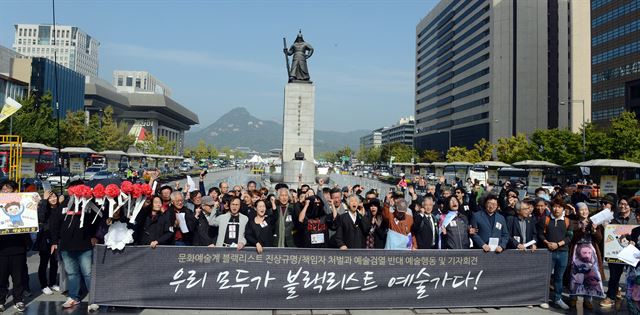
[301, 51]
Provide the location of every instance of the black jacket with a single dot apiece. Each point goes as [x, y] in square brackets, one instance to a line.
[203, 233]
[379, 233]
[353, 235]
[43, 239]
[190, 217]
[66, 231]
[515, 234]
[150, 228]
[424, 231]
[14, 244]
[254, 233]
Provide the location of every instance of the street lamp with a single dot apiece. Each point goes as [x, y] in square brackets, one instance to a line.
[584, 131]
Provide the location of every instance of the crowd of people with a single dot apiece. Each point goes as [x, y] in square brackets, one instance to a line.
[414, 216]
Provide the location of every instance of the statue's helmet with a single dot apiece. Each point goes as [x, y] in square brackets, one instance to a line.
[299, 37]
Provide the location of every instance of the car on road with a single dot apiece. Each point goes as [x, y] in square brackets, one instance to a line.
[104, 175]
[56, 177]
[92, 171]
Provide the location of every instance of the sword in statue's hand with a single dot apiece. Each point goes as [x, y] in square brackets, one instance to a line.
[286, 56]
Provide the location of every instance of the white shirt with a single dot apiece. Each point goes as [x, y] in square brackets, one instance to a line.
[353, 216]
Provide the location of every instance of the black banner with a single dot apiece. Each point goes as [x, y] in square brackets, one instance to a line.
[224, 278]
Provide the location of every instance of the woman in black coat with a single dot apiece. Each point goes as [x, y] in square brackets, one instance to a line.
[379, 227]
[260, 229]
[48, 205]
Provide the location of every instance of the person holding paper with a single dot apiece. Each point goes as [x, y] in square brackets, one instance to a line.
[490, 225]
[453, 226]
[522, 228]
[183, 235]
[555, 234]
[585, 273]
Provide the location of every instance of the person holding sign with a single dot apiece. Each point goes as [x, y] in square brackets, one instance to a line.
[13, 261]
[492, 234]
[231, 226]
[623, 216]
[314, 223]
[555, 233]
[585, 273]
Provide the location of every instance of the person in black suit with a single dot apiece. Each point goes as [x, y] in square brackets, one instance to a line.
[425, 225]
[352, 227]
[523, 219]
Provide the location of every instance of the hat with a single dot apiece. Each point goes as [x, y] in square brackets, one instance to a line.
[607, 200]
[208, 200]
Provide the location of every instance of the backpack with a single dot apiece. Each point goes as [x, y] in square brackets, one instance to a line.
[547, 220]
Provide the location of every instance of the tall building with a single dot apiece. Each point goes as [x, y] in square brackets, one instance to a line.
[615, 61]
[9, 85]
[138, 82]
[76, 49]
[146, 114]
[493, 68]
[41, 73]
[400, 132]
[372, 140]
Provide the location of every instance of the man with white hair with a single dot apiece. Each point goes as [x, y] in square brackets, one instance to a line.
[285, 212]
[352, 227]
[176, 208]
[425, 225]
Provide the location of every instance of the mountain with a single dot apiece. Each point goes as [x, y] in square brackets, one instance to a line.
[238, 128]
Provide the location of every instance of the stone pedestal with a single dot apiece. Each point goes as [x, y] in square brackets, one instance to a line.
[299, 120]
[298, 172]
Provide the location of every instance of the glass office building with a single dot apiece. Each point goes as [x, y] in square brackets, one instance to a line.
[615, 48]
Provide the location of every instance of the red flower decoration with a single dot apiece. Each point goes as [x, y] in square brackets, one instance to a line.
[98, 191]
[85, 192]
[73, 190]
[146, 189]
[112, 191]
[137, 191]
[126, 187]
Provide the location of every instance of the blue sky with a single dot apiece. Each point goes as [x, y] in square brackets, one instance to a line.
[217, 55]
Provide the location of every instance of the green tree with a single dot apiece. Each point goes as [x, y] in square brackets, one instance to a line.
[429, 156]
[212, 152]
[484, 150]
[75, 130]
[625, 136]
[560, 146]
[34, 122]
[201, 151]
[329, 157]
[459, 154]
[598, 142]
[403, 153]
[113, 135]
[513, 149]
[369, 155]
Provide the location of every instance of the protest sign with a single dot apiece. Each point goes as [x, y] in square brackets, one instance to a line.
[608, 184]
[615, 241]
[297, 278]
[19, 213]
